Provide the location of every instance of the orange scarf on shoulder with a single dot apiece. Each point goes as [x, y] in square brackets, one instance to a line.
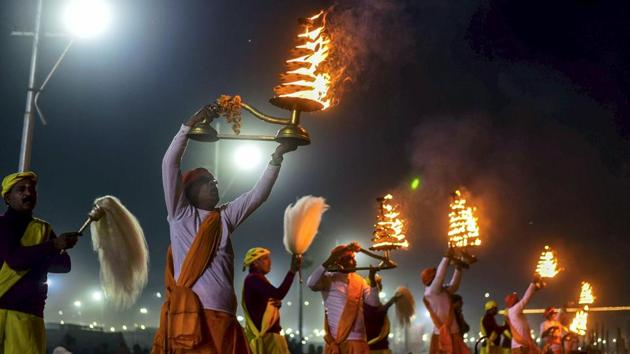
[182, 314]
[354, 304]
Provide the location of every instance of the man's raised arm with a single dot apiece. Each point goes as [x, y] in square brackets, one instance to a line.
[240, 208]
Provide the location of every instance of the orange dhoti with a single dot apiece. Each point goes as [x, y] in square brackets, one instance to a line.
[458, 345]
[189, 328]
[349, 347]
[222, 335]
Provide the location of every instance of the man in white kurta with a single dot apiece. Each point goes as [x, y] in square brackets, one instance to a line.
[335, 288]
[190, 198]
[522, 342]
[437, 299]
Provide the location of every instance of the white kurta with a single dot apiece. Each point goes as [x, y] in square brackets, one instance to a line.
[439, 296]
[215, 287]
[518, 321]
[334, 289]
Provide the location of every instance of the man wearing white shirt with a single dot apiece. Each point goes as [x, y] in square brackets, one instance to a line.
[199, 313]
[344, 293]
[437, 300]
[522, 342]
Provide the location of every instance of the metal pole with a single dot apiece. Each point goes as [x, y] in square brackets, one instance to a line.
[301, 318]
[27, 130]
[217, 154]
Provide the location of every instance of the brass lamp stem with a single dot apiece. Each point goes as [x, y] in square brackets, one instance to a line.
[267, 118]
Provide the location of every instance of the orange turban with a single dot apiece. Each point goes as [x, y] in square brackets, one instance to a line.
[511, 300]
[427, 275]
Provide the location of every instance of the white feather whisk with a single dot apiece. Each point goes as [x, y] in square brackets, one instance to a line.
[405, 306]
[301, 222]
[122, 251]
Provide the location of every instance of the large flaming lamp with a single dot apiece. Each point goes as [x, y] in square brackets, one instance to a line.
[304, 87]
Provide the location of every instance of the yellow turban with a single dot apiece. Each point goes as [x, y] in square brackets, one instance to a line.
[253, 254]
[490, 304]
[9, 181]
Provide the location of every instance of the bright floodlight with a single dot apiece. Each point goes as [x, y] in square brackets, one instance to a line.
[247, 157]
[87, 18]
[97, 296]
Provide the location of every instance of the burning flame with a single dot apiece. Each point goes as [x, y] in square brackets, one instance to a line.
[578, 325]
[388, 231]
[547, 264]
[304, 77]
[586, 294]
[463, 228]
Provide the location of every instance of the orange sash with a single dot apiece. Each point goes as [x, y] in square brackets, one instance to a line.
[354, 303]
[181, 316]
[444, 329]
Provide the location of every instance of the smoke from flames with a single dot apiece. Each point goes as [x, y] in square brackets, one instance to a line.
[365, 34]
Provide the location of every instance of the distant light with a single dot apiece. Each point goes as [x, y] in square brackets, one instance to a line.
[77, 303]
[94, 323]
[97, 295]
[60, 313]
[158, 295]
[91, 326]
[289, 330]
[144, 310]
[614, 340]
[143, 327]
[391, 335]
[382, 295]
[240, 318]
[61, 322]
[112, 329]
[486, 295]
[124, 328]
[415, 183]
[87, 18]
[247, 157]
[289, 303]
[306, 303]
[291, 335]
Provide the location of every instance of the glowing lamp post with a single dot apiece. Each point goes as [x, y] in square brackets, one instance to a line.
[83, 18]
[304, 87]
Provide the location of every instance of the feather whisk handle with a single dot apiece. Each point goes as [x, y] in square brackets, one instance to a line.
[94, 215]
[296, 265]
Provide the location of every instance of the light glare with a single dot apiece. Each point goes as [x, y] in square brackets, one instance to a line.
[87, 18]
[247, 157]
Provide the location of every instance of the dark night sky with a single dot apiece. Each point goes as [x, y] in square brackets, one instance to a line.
[525, 104]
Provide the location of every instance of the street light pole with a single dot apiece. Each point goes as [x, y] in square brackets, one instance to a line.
[29, 119]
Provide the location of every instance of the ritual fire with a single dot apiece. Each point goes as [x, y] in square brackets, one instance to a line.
[547, 264]
[463, 227]
[578, 325]
[389, 228]
[586, 294]
[305, 84]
